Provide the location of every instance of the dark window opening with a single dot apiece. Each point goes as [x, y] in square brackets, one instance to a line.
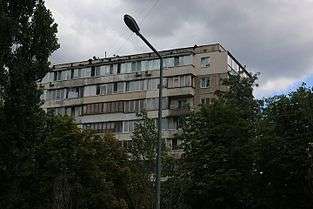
[118, 68]
[93, 70]
[174, 144]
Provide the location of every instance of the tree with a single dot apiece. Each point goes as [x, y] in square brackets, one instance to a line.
[27, 39]
[143, 153]
[285, 153]
[78, 169]
[144, 139]
[218, 162]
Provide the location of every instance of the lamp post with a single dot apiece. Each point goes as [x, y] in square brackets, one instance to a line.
[132, 25]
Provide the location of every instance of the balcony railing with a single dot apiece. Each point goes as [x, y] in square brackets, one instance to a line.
[179, 111]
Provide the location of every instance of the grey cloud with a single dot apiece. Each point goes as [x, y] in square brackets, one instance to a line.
[270, 36]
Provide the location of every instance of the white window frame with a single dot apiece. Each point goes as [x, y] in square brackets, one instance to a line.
[207, 63]
[205, 83]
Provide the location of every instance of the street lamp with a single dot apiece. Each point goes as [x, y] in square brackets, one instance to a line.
[133, 26]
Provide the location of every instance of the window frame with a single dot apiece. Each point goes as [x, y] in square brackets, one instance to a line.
[206, 82]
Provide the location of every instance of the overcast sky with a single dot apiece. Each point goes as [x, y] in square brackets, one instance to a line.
[273, 37]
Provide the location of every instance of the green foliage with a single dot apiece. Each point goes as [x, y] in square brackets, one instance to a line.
[144, 139]
[143, 154]
[144, 143]
[238, 153]
[218, 158]
[285, 138]
[218, 162]
[50, 163]
[27, 39]
[79, 169]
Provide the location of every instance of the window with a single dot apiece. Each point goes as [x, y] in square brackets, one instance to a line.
[93, 71]
[164, 123]
[111, 68]
[132, 126]
[72, 111]
[176, 82]
[183, 60]
[133, 106]
[126, 67]
[169, 62]
[85, 72]
[154, 64]
[179, 81]
[233, 64]
[152, 84]
[205, 61]
[205, 101]
[182, 103]
[106, 127]
[135, 85]
[120, 106]
[204, 82]
[65, 75]
[119, 87]
[139, 105]
[105, 89]
[97, 71]
[77, 111]
[57, 75]
[104, 70]
[172, 123]
[153, 103]
[59, 95]
[174, 144]
[182, 81]
[171, 83]
[125, 126]
[176, 61]
[76, 73]
[118, 68]
[136, 66]
[96, 108]
[188, 80]
[76, 92]
[90, 90]
[145, 65]
[118, 127]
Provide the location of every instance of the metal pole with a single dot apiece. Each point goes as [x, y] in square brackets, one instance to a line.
[159, 142]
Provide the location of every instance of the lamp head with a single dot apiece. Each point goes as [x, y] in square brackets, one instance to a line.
[131, 23]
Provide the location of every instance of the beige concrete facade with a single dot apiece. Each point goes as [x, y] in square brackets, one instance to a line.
[106, 94]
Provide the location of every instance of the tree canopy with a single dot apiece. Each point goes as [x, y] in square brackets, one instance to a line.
[27, 39]
[285, 150]
[78, 169]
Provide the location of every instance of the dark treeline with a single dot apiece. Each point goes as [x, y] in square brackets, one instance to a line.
[245, 153]
[238, 152]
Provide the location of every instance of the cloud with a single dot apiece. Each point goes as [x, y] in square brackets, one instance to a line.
[269, 36]
[273, 87]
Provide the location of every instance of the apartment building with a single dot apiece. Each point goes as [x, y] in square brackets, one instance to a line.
[107, 94]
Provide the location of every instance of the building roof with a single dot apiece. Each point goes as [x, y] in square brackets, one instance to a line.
[141, 56]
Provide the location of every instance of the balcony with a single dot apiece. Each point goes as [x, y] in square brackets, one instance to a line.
[190, 91]
[179, 111]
